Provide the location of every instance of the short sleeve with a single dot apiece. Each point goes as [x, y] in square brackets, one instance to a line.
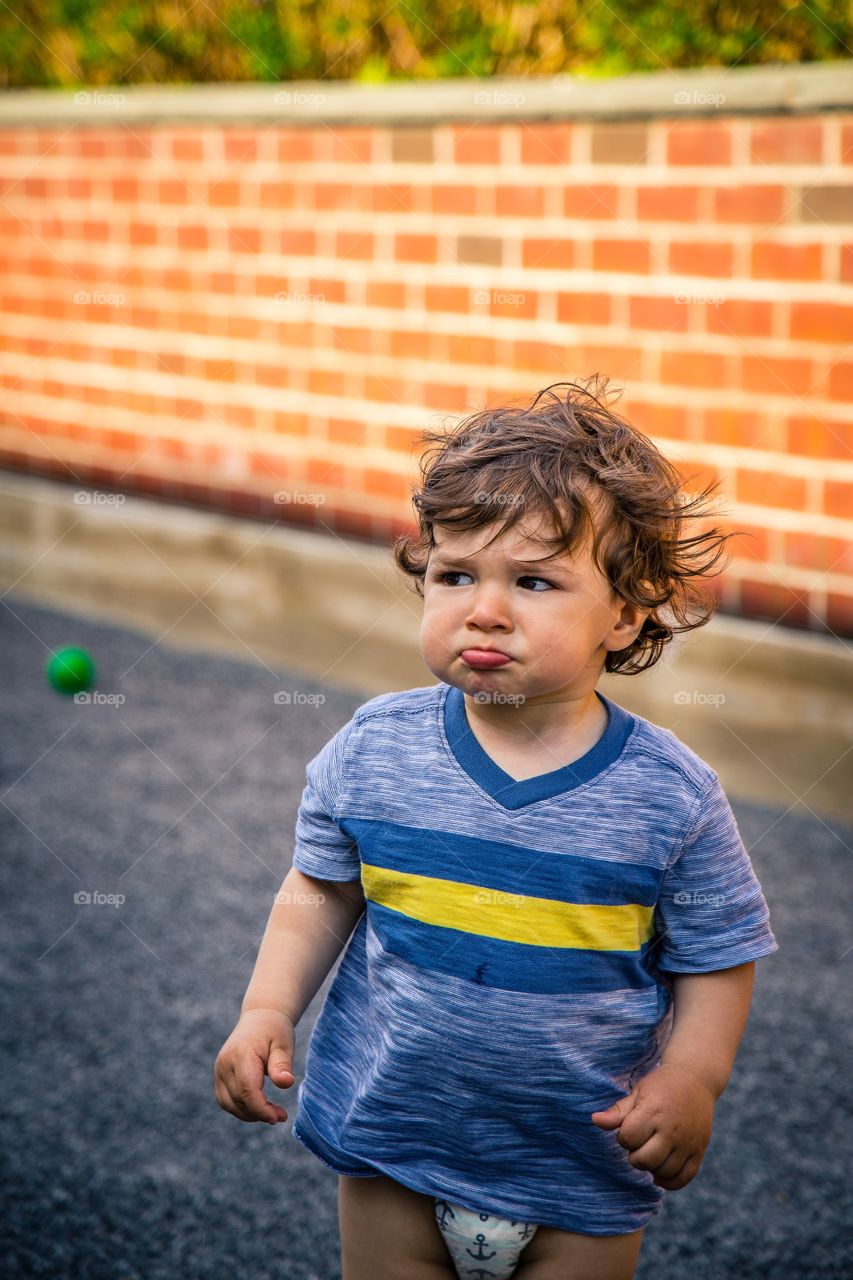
[711, 912]
[322, 849]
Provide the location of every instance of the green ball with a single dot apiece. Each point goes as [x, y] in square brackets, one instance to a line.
[71, 670]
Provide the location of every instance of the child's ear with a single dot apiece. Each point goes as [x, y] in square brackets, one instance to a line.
[627, 626]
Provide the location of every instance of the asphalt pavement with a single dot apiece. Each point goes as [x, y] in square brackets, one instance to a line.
[174, 811]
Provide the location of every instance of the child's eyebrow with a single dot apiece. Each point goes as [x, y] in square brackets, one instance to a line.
[554, 565]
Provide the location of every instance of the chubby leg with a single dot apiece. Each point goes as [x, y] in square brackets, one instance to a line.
[566, 1255]
[389, 1232]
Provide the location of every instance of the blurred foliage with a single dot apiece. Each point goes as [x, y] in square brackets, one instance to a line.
[100, 42]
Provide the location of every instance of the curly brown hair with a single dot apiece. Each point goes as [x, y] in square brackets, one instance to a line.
[575, 461]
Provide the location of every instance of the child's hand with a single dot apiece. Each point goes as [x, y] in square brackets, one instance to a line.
[665, 1122]
[262, 1042]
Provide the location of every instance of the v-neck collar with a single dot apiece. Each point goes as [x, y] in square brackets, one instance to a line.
[508, 791]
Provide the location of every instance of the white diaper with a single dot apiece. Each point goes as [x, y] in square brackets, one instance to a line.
[482, 1246]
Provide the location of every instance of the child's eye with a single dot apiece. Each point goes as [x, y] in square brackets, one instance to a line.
[455, 573]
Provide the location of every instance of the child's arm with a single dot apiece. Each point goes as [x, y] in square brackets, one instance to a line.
[665, 1121]
[307, 927]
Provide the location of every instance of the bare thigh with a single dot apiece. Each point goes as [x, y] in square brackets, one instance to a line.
[389, 1232]
[567, 1255]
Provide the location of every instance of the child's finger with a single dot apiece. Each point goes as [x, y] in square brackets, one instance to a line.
[613, 1116]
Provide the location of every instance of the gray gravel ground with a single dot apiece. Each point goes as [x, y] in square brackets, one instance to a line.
[118, 1161]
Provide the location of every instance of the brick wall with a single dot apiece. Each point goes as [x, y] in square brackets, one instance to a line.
[229, 314]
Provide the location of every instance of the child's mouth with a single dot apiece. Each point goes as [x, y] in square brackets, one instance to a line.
[483, 658]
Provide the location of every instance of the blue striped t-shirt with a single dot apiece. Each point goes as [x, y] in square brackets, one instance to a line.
[509, 974]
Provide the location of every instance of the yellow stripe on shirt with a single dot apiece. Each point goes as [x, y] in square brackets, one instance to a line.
[493, 913]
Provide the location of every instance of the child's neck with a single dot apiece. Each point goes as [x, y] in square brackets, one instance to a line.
[558, 721]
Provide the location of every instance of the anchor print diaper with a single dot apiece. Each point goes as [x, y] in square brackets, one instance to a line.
[482, 1246]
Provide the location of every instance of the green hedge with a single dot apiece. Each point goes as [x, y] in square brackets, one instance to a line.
[100, 42]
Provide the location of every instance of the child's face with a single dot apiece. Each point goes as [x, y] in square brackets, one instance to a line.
[556, 620]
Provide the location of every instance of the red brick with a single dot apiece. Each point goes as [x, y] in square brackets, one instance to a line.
[621, 255]
[771, 489]
[295, 241]
[668, 204]
[693, 369]
[415, 248]
[706, 258]
[341, 431]
[354, 244]
[384, 484]
[386, 390]
[583, 308]
[440, 297]
[774, 261]
[520, 201]
[546, 143]
[740, 317]
[240, 144]
[847, 143]
[839, 614]
[780, 376]
[775, 603]
[452, 199]
[365, 341]
[476, 144]
[817, 438]
[553, 255]
[698, 142]
[838, 498]
[467, 349]
[270, 195]
[847, 263]
[666, 420]
[617, 362]
[514, 303]
[326, 382]
[765, 204]
[398, 197]
[841, 380]
[342, 195]
[822, 321]
[591, 200]
[786, 142]
[751, 542]
[812, 551]
[386, 293]
[350, 144]
[295, 145]
[657, 313]
[743, 428]
[187, 147]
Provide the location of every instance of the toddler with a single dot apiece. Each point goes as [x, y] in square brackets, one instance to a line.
[551, 921]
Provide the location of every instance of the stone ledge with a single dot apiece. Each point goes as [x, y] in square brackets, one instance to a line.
[771, 709]
[695, 91]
